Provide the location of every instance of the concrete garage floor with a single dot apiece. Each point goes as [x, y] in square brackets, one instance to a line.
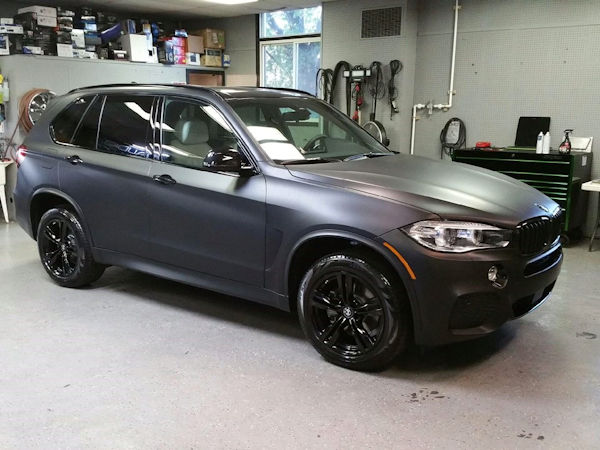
[140, 362]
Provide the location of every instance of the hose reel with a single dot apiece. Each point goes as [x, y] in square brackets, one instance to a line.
[32, 105]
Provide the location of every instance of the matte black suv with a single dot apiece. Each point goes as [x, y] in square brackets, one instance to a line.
[277, 197]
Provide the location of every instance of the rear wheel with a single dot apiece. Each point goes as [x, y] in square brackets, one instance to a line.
[64, 249]
[353, 312]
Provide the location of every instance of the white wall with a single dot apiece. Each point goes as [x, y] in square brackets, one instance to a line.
[341, 41]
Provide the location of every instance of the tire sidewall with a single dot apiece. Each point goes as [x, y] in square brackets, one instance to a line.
[393, 335]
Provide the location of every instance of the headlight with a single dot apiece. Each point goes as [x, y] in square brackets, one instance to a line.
[457, 237]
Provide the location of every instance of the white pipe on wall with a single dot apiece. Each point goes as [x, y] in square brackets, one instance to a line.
[451, 92]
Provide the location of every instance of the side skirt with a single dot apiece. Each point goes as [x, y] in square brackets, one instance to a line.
[224, 286]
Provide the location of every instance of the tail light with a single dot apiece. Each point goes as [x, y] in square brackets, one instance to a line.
[21, 154]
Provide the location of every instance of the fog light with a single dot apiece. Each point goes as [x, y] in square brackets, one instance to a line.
[497, 276]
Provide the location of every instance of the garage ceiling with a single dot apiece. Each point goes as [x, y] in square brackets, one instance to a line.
[185, 8]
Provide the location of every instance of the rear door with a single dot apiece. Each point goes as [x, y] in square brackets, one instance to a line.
[105, 169]
[209, 222]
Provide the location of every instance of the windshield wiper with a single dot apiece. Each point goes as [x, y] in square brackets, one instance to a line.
[289, 162]
[369, 155]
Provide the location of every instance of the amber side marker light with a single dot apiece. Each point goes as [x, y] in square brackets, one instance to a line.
[401, 259]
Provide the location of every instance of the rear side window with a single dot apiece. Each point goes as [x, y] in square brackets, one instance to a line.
[87, 130]
[64, 125]
[125, 125]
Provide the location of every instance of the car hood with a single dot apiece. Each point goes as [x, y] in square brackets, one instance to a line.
[449, 189]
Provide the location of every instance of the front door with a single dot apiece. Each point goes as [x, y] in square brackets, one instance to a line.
[213, 223]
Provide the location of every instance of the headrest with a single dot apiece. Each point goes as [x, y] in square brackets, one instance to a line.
[190, 132]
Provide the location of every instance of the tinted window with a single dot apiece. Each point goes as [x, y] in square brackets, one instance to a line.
[64, 125]
[86, 132]
[125, 125]
[190, 131]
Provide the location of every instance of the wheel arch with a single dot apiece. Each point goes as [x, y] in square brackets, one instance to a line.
[44, 199]
[319, 243]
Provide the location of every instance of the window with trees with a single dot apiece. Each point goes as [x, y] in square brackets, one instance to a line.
[290, 48]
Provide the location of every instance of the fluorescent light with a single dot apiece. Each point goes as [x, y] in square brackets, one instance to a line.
[230, 2]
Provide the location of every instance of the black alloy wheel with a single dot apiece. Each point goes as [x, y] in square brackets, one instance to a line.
[352, 313]
[64, 249]
[59, 250]
[346, 313]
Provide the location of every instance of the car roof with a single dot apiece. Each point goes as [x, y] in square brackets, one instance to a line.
[224, 92]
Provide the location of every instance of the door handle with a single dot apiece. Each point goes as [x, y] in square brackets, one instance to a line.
[164, 179]
[74, 159]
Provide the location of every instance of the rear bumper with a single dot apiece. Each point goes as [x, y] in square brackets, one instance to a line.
[453, 298]
[22, 216]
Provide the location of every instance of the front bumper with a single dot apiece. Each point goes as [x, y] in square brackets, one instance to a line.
[452, 298]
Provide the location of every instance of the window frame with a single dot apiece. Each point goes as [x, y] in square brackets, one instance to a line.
[295, 41]
[260, 26]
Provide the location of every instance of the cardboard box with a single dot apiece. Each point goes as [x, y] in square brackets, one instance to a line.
[41, 10]
[178, 41]
[11, 29]
[4, 45]
[136, 46]
[64, 50]
[32, 50]
[192, 59]
[7, 21]
[78, 37]
[213, 38]
[117, 55]
[46, 21]
[84, 54]
[212, 58]
[195, 44]
[165, 52]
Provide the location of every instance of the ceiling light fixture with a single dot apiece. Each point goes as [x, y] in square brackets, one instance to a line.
[230, 2]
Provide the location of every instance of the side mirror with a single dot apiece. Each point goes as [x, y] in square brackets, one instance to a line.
[224, 160]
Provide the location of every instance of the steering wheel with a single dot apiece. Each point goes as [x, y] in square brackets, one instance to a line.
[312, 147]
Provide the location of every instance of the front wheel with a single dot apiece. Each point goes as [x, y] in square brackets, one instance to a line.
[64, 249]
[353, 312]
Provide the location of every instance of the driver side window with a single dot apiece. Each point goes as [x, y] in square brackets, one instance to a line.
[190, 130]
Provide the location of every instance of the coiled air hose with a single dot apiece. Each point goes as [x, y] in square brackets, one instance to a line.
[25, 121]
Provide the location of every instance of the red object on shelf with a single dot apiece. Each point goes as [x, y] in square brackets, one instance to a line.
[483, 144]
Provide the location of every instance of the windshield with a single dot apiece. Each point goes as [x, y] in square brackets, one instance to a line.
[295, 129]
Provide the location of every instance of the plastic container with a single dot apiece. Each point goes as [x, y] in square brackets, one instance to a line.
[539, 146]
[546, 143]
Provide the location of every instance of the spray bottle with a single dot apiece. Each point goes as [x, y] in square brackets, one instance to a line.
[539, 146]
[565, 145]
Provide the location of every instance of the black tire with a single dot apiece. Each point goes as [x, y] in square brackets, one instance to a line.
[354, 312]
[65, 251]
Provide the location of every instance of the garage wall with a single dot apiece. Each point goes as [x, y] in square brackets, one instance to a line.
[514, 58]
[342, 41]
[240, 40]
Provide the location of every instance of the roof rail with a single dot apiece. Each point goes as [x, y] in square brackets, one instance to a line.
[287, 89]
[133, 83]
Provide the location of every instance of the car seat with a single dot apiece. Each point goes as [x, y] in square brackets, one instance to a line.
[190, 145]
